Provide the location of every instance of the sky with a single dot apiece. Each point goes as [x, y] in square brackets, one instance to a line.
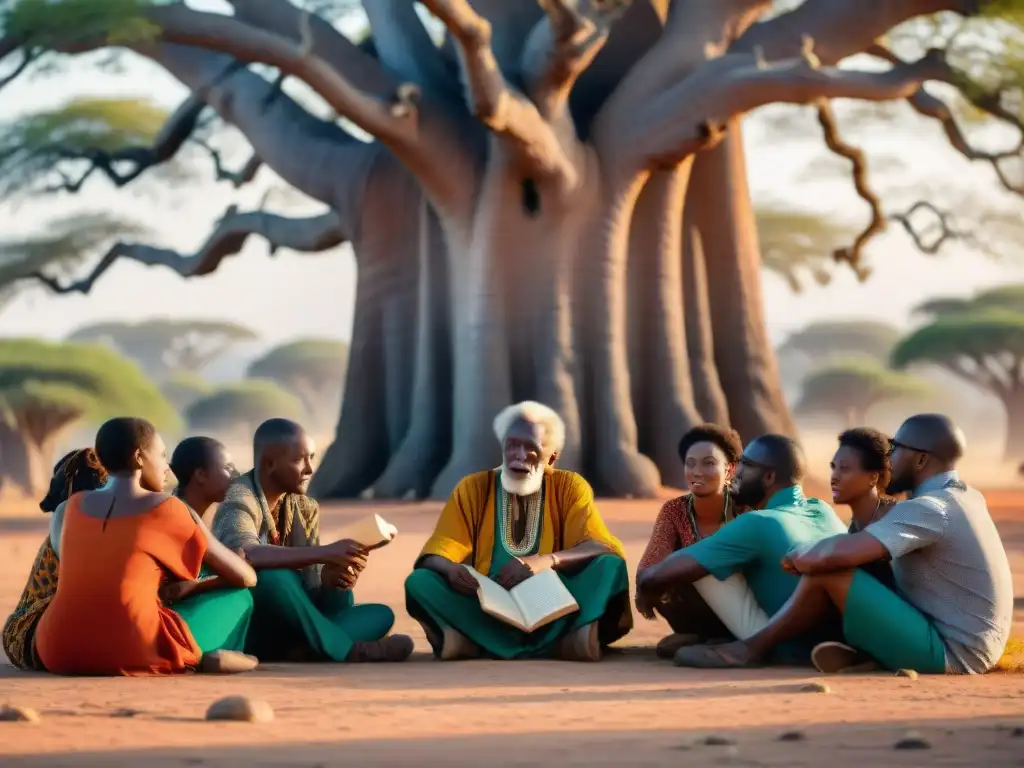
[291, 295]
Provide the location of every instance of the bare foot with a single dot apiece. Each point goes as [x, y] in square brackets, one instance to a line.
[581, 645]
[455, 645]
[227, 663]
[392, 648]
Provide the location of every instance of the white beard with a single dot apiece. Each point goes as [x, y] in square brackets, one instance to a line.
[522, 486]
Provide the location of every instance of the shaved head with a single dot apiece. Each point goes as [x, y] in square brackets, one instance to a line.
[780, 453]
[924, 446]
[769, 464]
[934, 434]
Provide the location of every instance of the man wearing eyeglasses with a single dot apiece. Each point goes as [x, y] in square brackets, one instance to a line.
[768, 482]
[952, 609]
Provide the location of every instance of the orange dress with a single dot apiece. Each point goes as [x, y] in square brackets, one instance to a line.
[106, 618]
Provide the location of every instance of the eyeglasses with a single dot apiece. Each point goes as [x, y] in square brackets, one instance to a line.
[894, 446]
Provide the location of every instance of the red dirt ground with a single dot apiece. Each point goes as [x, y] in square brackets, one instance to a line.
[629, 710]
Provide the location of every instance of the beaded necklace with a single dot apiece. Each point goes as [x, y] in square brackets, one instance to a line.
[534, 504]
[727, 514]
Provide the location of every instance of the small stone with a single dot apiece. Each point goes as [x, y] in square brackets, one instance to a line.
[241, 709]
[717, 741]
[793, 736]
[912, 740]
[1017, 732]
[908, 673]
[9, 714]
[126, 712]
[815, 688]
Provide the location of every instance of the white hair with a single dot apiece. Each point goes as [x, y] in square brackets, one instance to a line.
[533, 413]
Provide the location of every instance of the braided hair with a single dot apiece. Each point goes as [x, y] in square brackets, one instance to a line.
[79, 470]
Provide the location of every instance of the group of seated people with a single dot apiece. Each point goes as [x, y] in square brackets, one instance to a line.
[229, 570]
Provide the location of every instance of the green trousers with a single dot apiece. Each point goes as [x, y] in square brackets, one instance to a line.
[291, 623]
[601, 588]
[219, 620]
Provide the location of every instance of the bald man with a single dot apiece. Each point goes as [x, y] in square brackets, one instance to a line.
[768, 481]
[304, 607]
[952, 608]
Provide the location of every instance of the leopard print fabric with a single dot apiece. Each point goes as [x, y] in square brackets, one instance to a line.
[20, 628]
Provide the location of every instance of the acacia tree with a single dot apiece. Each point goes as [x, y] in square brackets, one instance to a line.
[312, 369]
[850, 388]
[985, 348]
[46, 388]
[184, 388]
[583, 232]
[167, 346]
[237, 409]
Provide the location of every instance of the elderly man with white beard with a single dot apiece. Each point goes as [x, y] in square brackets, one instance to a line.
[512, 523]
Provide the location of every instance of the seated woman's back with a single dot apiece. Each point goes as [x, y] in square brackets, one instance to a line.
[106, 617]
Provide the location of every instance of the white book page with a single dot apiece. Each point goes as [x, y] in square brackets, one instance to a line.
[542, 599]
[371, 532]
[496, 600]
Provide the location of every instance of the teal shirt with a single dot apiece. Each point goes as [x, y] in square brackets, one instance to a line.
[755, 543]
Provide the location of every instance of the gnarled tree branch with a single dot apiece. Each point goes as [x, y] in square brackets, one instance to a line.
[930, 238]
[834, 141]
[308, 235]
[238, 178]
[926, 104]
[405, 49]
[693, 115]
[562, 46]
[492, 100]
[840, 28]
[28, 56]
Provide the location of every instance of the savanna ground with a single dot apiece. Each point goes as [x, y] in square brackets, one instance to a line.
[629, 710]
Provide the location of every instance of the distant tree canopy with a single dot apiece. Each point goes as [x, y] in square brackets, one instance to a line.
[312, 369]
[1006, 297]
[843, 338]
[164, 347]
[985, 348]
[184, 388]
[849, 388]
[48, 387]
[238, 408]
[796, 244]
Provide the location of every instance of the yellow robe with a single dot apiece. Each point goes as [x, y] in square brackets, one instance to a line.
[465, 531]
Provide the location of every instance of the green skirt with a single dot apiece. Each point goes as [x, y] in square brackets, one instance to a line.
[601, 588]
[219, 620]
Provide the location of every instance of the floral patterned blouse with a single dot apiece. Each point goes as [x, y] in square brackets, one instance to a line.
[674, 529]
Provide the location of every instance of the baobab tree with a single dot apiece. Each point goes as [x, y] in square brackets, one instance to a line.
[554, 204]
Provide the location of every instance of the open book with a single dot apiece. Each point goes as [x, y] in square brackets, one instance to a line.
[536, 602]
[372, 532]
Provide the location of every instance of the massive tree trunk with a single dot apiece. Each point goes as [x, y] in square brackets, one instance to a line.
[1014, 404]
[25, 463]
[525, 296]
[724, 216]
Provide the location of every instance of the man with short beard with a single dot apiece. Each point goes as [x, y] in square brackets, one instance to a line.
[768, 482]
[952, 608]
[304, 607]
[511, 523]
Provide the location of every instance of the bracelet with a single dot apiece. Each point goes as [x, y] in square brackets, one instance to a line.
[554, 560]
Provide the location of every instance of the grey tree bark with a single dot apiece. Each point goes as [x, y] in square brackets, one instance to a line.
[501, 251]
